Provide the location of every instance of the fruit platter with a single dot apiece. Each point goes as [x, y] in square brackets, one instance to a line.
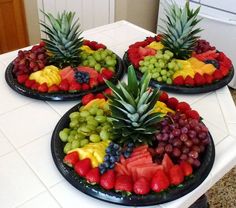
[64, 66]
[135, 146]
[178, 59]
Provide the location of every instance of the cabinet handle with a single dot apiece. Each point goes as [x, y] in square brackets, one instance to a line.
[226, 21]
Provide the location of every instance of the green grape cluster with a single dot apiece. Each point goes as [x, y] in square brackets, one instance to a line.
[99, 59]
[162, 66]
[87, 125]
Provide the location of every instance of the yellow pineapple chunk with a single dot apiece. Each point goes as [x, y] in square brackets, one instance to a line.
[156, 45]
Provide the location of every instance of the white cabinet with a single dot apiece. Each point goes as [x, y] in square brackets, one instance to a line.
[92, 13]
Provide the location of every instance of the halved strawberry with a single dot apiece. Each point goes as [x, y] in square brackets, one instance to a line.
[199, 79]
[99, 45]
[189, 81]
[71, 158]
[107, 180]
[43, 87]
[87, 98]
[178, 80]
[100, 96]
[124, 183]
[186, 167]
[93, 176]
[141, 186]
[163, 97]
[85, 87]
[160, 181]
[172, 103]
[176, 175]
[74, 86]
[82, 167]
[108, 91]
[193, 114]
[93, 82]
[35, 86]
[217, 75]
[107, 74]
[183, 106]
[100, 79]
[22, 78]
[53, 88]
[208, 78]
[64, 85]
[29, 83]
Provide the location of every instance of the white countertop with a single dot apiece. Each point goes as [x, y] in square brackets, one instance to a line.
[28, 176]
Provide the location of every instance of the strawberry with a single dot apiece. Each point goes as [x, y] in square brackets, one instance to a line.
[224, 70]
[87, 98]
[163, 97]
[172, 103]
[186, 167]
[108, 91]
[22, 78]
[53, 88]
[141, 186]
[193, 114]
[64, 85]
[124, 183]
[189, 81]
[150, 39]
[74, 86]
[107, 180]
[93, 82]
[183, 106]
[71, 158]
[42, 43]
[82, 167]
[178, 80]
[93, 44]
[217, 75]
[35, 86]
[93, 176]
[159, 181]
[208, 78]
[100, 96]
[86, 42]
[85, 87]
[158, 37]
[29, 83]
[43, 87]
[99, 45]
[100, 79]
[176, 175]
[107, 74]
[199, 79]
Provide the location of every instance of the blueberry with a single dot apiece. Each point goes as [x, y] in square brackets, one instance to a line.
[108, 150]
[112, 159]
[126, 154]
[112, 165]
[118, 152]
[130, 145]
[102, 170]
[116, 146]
[106, 164]
[129, 149]
[106, 158]
[117, 158]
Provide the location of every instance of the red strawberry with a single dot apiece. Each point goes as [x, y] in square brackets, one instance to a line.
[29, 83]
[99, 45]
[71, 158]
[183, 106]
[100, 79]
[43, 87]
[107, 74]
[93, 82]
[217, 75]
[208, 78]
[107, 180]
[199, 79]
[178, 80]
[124, 183]
[172, 103]
[159, 181]
[22, 78]
[189, 81]
[163, 97]
[193, 114]
[85, 87]
[86, 42]
[42, 43]
[87, 98]
[176, 175]
[150, 39]
[224, 70]
[100, 96]
[53, 88]
[93, 44]
[74, 86]
[93, 176]
[108, 91]
[141, 186]
[158, 37]
[82, 167]
[35, 86]
[186, 167]
[64, 85]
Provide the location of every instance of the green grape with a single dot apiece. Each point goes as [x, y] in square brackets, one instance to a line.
[73, 123]
[93, 110]
[101, 119]
[161, 63]
[75, 144]
[155, 75]
[84, 56]
[168, 74]
[99, 112]
[67, 148]
[153, 60]
[110, 62]
[84, 129]
[171, 65]
[70, 138]
[141, 63]
[83, 142]
[146, 63]
[74, 115]
[169, 53]
[84, 114]
[106, 127]
[89, 117]
[150, 67]
[97, 56]
[164, 78]
[166, 56]
[63, 135]
[169, 81]
[111, 68]
[94, 138]
[92, 62]
[113, 56]
[159, 79]
[73, 132]
[104, 134]
[157, 65]
[106, 107]
[163, 72]
[85, 63]
[80, 136]
[159, 56]
[147, 58]
[97, 67]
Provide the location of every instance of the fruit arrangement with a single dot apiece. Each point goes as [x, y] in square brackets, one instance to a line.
[134, 142]
[65, 63]
[178, 58]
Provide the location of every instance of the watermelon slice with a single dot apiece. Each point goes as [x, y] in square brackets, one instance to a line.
[147, 170]
[92, 72]
[167, 163]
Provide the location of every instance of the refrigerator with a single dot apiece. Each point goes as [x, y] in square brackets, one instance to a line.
[218, 22]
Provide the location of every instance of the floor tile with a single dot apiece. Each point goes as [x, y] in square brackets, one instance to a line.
[5, 145]
[62, 107]
[43, 200]
[69, 197]
[17, 181]
[29, 122]
[38, 156]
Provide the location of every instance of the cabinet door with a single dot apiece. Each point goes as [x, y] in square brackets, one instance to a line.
[229, 5]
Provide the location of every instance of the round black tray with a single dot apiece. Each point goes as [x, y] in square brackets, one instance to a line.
[96, 191]
[59, 96]
[184, 89]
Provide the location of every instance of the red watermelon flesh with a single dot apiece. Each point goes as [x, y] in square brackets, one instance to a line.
[143, 147]
[64, 72]
[139, 156]
[120, 169]
[92, 72]
[141, 161]
[167, 163]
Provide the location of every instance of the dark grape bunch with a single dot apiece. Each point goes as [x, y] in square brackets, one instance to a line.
[113, 152]
[81, 77]
[203, 46]
[184, 139]
[127, 151]
[29, 61]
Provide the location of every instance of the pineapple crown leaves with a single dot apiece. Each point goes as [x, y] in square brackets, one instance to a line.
[180, 34]
[64, 38]
[132, 109]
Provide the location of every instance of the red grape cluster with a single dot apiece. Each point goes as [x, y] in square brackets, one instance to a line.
[184, 139]
[203, 46]
[29, 61]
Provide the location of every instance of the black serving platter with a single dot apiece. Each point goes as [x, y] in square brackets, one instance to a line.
[184, 89]
[59, 96]
[97, 192]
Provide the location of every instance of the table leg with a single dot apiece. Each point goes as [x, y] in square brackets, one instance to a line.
[200, 203]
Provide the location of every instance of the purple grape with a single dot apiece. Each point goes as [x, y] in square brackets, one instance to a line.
[183, 137]
[193, 154]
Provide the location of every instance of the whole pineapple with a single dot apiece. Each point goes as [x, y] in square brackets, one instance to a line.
[64, 41]
[179, 33]
[132, 110]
